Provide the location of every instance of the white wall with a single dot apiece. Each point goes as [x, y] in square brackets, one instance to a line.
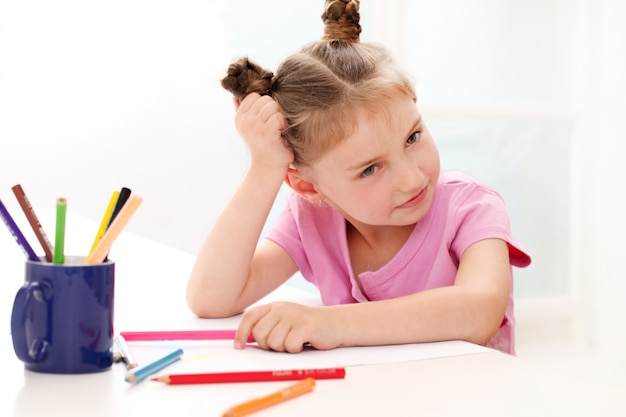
[96, 95]
[606, 185]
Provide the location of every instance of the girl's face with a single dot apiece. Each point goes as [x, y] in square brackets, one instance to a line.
[385, 172]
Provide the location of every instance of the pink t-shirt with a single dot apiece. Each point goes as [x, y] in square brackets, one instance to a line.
[463, 212]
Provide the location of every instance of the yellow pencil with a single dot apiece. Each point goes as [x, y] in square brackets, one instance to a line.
[105, 221]
[104, 246]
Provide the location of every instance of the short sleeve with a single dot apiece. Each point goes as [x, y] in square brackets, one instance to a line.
[482, 214]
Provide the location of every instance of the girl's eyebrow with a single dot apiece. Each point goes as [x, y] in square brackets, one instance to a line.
[362, 165]
[414, 126]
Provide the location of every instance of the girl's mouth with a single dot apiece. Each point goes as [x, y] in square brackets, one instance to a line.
[416, 200]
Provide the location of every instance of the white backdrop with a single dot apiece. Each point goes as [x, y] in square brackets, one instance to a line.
[97, 95]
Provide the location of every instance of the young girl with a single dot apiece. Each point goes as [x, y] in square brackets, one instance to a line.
[400, 251]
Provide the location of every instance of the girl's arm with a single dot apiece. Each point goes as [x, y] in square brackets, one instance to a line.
[230, 272]
[471, 310]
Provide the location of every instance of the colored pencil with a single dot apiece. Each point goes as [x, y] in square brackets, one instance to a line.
[292, 391]
[127, 355]
[104, 246]
[181, 335]
[252, 376]
[104, 223]
[17, 233]
[117, 356]
[122, 198]
[59, 237]
[27, 208]
[141, 372]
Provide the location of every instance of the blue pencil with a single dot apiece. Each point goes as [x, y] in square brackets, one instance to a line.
[137, 374]
[17, 233]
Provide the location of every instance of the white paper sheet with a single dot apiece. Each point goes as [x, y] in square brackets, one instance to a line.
[220, 356]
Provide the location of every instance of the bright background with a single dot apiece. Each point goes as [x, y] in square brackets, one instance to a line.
[527, 95]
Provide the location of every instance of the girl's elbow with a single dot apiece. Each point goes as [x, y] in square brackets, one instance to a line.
[485, 328]
[196, 306]
[481, 337]
[203, 311]
[199, 305]
[207, 308]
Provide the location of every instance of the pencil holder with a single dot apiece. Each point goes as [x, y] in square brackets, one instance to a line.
[62, 319]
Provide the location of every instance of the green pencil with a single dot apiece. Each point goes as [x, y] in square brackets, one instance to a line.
[59, 239]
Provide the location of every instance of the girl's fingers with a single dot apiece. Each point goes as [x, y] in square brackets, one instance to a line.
[248, 322]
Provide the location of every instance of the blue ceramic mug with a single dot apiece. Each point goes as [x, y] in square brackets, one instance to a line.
[62, 320]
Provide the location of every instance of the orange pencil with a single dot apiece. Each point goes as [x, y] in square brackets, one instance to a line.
[292, 391]
[121, 220]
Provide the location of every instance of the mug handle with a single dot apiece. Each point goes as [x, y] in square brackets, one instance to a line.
[36, 350]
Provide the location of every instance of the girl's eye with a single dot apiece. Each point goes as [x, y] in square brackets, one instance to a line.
[413, 138]
[369, 171]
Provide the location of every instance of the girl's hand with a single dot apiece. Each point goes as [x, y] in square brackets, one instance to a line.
[287, 327]
[261, 123]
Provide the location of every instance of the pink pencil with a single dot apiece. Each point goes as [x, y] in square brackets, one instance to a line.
[181, 335]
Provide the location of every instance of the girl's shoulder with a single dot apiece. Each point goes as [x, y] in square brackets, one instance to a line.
[309, 215]
[473, 211]
[459, 179]
[458, 186]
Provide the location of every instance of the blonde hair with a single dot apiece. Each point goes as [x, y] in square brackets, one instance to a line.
[321, 87]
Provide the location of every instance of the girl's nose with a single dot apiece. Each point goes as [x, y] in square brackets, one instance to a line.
[409, 175]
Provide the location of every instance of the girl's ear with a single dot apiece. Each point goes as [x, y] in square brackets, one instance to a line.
[301, 185]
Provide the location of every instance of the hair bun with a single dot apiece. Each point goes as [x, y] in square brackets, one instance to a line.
[341, 21]
[244, 77]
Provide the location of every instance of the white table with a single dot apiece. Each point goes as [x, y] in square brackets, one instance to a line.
[150, 282]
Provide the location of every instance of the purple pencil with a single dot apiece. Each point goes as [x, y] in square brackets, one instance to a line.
[17, 233]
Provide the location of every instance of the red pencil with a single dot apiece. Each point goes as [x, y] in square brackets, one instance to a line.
[181, 335]
[253, 376]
